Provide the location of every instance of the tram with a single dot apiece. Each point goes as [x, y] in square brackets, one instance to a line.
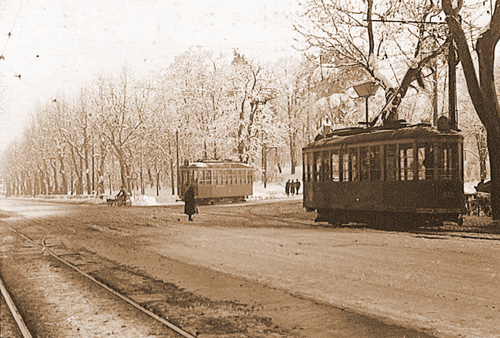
[217, 181]
[404, 175]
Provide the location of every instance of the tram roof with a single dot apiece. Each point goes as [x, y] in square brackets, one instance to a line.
[216, 165]
[363, 136]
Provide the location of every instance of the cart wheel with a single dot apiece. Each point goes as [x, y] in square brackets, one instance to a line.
[128, 202]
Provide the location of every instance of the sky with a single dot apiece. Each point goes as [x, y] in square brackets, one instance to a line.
[56, 46]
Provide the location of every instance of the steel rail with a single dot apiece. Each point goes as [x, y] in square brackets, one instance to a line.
[15, 313]
[117, 294]
[151, 314]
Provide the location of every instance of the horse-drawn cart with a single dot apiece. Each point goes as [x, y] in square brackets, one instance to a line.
[120, 202]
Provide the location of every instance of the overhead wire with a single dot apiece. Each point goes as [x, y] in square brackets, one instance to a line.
[3, 58]
[19, 75]
[12, 28]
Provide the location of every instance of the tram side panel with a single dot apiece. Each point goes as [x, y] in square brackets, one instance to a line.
[392, 197]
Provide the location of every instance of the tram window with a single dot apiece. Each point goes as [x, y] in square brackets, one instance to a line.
[425, 161]
[326, 167]
[194, 176]
[345, 166]
[375, 163]
[317, 167]
[218, 175]
[201, 177]
[364, 154]
[310, 167]
[208, 177]
[185, 175]
[353, 160]
[335, 166]
[391, 162]
[448, 161]
[406, 162]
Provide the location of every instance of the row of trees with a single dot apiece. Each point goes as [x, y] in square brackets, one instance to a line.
[212, 107]
[129, 130]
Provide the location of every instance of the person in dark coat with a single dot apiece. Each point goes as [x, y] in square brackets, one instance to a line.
[292, 187]
[297, 186]
[189, 203]
[122, 194]
[287, 188]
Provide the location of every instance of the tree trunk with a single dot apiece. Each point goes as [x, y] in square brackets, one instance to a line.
[123, 170]
[171, 176]
[77, 171]
[64, 180]
[53, 164]
[482, 150]
[482, 90]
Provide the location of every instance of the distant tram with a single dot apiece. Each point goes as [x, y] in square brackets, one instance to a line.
[403, 175]
[217, 181]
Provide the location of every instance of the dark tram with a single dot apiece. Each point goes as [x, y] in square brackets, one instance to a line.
[217, 181]
[400, 176]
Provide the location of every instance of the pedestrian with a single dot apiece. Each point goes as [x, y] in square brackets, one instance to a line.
[292, 188]
[189, 203]
[287, 188]
[297, 186]
[122, 194]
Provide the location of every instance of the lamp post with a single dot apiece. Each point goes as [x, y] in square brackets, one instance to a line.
[366, 90]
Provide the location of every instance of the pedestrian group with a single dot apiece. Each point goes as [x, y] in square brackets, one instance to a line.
[292, 188]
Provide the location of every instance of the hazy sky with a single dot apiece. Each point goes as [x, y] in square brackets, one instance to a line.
[57, 45]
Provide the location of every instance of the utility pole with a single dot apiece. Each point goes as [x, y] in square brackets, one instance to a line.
[93, 166]
[178, 169]
[264, 164]
[452, 86]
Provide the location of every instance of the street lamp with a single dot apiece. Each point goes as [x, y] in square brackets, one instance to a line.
[366, 90]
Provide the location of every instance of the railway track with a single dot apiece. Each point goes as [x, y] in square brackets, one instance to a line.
[118, 294]
[24, 332]
[183, 313]
[45, 249]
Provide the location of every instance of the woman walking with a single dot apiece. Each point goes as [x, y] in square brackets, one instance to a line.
[189, 203]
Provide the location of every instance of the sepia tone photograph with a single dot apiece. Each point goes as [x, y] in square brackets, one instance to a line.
[249, 168]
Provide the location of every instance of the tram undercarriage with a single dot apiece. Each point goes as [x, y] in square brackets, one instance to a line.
[401, 220]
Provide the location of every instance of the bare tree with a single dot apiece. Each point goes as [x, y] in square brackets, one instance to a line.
[481, 83]
[368, 37]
